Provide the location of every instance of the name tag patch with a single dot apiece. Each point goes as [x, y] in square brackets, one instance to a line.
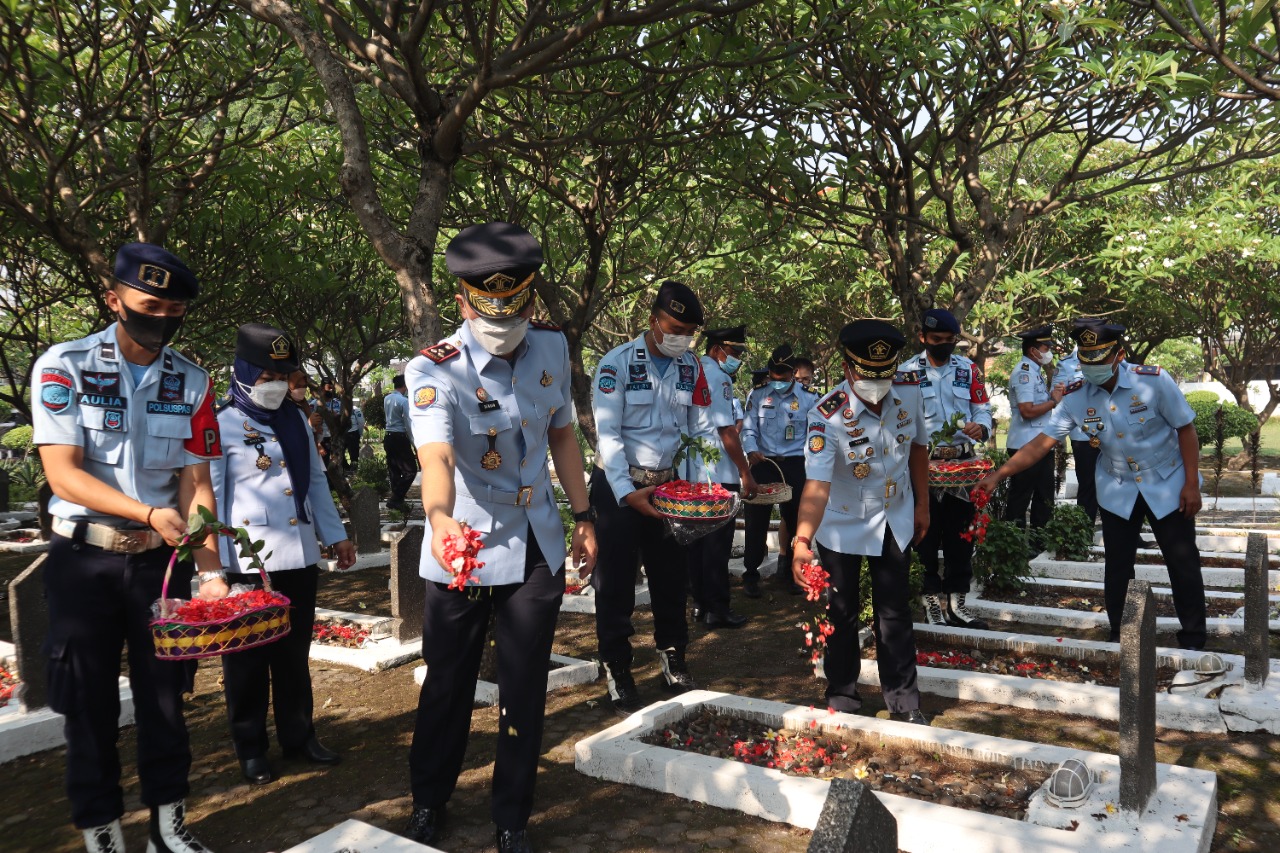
[103, 401]
[639, 386]
[154, 407]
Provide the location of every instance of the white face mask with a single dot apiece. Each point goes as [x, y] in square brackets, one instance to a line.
[1044, 357]
[674, 346]
[872, 390]
[267, 395]
[499, 337]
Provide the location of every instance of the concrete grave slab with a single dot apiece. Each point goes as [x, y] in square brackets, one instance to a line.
[853, 821]
[25, 732]
[1045, 566]
[585, 601]
[377, 560]
[1180, 817]
[570, 673]
[353, 836]
[380, 652]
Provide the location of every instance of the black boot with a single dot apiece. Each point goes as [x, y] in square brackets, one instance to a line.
[425, 825]
[514, 841]
[675, 672]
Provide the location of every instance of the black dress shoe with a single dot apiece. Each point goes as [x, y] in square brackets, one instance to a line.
[256, 770]
[514, 841]
[917, 716]
[728, 619]
[425, 825]
[315, 752]
[751, 587]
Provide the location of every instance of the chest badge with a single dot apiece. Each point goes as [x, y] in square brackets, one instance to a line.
[862, 470]
[263, 461]
[1095, 442]
[546, 379]
[482, 395]
[795, 405]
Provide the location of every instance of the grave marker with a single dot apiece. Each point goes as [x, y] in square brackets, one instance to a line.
[29, 616]
[853, 820]
[1137, 698]
[366, 522]
[408, 590]
[1257, 638]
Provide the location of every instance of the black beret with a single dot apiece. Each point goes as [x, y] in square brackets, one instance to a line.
[1096, 339]
[732, 336]
[151, 269]
[782, 358]
[496, 262]
[871, 347]
[266, 347]
[940, 320]
[680, 302]
[1038, 335]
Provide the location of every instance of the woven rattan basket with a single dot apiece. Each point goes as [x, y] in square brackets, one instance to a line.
[691, 508]
[949, 475]
[175, 639]
[769, 494]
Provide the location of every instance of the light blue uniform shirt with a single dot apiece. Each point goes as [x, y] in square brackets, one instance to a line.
[706, 421]
[1026, 385]
[395, 406]
[954, 387]
[136, 439]
[261, 501]
[640, 415]
[478, 403]
[357, 419]
[774, 423]
[1137, 426]
[1067, 372]
[847, 439]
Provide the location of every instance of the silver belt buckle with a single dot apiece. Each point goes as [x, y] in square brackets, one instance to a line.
[130, 541]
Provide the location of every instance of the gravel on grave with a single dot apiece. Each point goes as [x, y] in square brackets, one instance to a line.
[894, 769]
[1091, 601]
[339, 632]
[1024, 665]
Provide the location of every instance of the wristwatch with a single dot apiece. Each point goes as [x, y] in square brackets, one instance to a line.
[588, 514]
[219, 575]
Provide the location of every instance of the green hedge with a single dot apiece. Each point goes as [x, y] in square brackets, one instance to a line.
[374, 416]
[1238, 422]
[19, 438]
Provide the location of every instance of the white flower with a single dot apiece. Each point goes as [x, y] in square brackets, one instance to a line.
[1022, 182]
[1153, 188]
[1166, 218]
[1246, 252]
[1192, 226]
[1239, 216]
[1168, 263]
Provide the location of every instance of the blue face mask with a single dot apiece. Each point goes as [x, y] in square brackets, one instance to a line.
[1097, 374]
[781, 385]
[730, 365]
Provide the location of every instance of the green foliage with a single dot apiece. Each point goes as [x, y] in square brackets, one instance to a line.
[1202, 397]
[1000, 562]
[371, 473]
[19, 438]
[566, 514]
[694, 448]
[204, 523]
[1182, 357]
[949, 429]
[1068, 535]
[26, 476]
[374, 415]
[1237, 422]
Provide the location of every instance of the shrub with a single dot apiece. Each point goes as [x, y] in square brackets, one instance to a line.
[1068, 535]
[20, 438]
[1202, 397]
[374, 415]
[371, 473]
[26, 476]
[1000, 563]
[1238, 422]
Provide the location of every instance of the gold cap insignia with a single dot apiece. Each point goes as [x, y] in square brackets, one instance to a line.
[153, 276]
[1088, 337]
[879, 349]
[677, 306]
[280, 347]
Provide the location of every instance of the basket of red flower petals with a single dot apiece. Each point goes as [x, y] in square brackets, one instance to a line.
[199, 628]
[953, 473]
[768, 494]
[189, 630]
[680, 499]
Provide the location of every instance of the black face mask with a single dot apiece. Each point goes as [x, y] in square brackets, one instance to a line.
[147, 330]
[940, 352]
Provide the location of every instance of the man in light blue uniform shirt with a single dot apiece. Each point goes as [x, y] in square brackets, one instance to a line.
[867, 457]
[1031, 402]
[1148, 468]
[773, 437]
[126, 431]
[716, 424]
[402, 462]
[950, 384]
[487, 405]
[643, 400]
[1086, 455]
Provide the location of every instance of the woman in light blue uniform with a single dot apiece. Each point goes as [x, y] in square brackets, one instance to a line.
[270, 481]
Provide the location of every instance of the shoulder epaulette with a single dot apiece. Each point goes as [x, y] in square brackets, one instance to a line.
[223, 406]
[906, 377]
[832, 404]
[546, 327]
[808, 390]
[1146, 369]
[1075, 386]
[440, 352]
